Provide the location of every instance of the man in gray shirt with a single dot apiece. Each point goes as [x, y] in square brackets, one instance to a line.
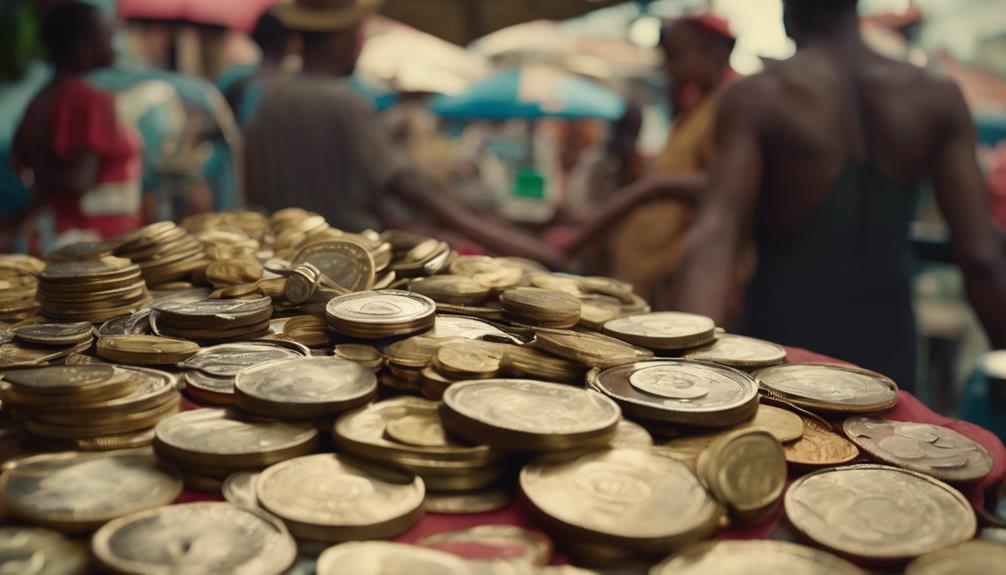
[314, 143]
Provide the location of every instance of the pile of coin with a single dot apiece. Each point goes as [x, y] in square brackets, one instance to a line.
[540, 307]
[213, 320]
[163, 251]
[91, 290]
[145, 349]
[18, 284]
[305, 389]
[209, 374]
[89, 407]
[28, 344]
[380, 314]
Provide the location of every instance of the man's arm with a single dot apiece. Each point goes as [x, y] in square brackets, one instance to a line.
[960, 193]
[705, 275]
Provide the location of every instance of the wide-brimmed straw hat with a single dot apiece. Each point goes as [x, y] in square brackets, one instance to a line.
[325, 15]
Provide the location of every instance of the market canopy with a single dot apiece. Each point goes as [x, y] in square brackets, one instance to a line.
[532, 92]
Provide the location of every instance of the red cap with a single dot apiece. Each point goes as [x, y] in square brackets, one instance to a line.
[711, 22]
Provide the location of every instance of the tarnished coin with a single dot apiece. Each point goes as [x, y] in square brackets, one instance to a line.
[135, 324]
[34, 551]
[663, 330]
[970, 558]
[820, 447]
[379, 557]
[233, 272]
[754, 558]
[592, 350]
[527, 415]
[92, 382]
[830, 387]
[741, 352]
[216, 438]
[213, 312]
[77, 492]
[746, 471]
[681, 391]
[304, 388]
[226, 360]
[328, 498]
[239, 489]
[659, 503]
[374, 315]
[783, 424]
[145, 349]
[469, 359]
[467, 502]
[147, 388]
[302, 284]
[931, 449]
[542, 307]
[879, 513]
[55, 333]
[492, 546]
[111, 266]
[345, 263]
[195, 538]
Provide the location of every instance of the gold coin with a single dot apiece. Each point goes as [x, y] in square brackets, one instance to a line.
[688, 449]
[365, 355]
[663, 330]
[420, 430]
[745, 470]
[54, 333]
[215, 437]
[13, 355]
[593, 350]
[148, 388]
[83, 382]
[378, 557]
[830, 387]
[490, 546]
[754, 558]
[344, 263]
[820, 447]
[374, 315]
[458, 290]
[328, 498]
[302, 284]
[34, 551]
[741, 352]
[526, 361]
[304, 388]
[239, 489]
[527, 415]
[783, 424]
[879, 513]
[195, 538]
[931, 449]
[970, 558]
[145, 349]
[660, 503]
[77, 492]
[541, 307]
[469, 359]
[133, 422]
[272, 287]
[466, 503]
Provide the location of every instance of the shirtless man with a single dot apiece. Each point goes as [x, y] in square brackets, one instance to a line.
[819, 160]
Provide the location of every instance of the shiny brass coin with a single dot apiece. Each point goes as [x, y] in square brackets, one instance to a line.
[830, 387]
[304, 388]
[931, 449]
[541, 307]
[195, 538]
[663, 330]
[746, 471]
[226, 360]
[527, 415]
[374, 315]
[233, 272]
[741, 352]
[592, 350]
[35, 551]
[680, 391]
[77, 492]
[970, 558]
[309, 494]
[365, 355]
[492, 546]
[457, 290]
[96, 428]
[213, 313]
[754, 558]
[820, 447]
[145, 349]
[217, 438]
[879, 513]
[466, 503]
[469, 359]
[783, 424]
[344, 263]
[526, 361]
[239, 489]
[660, 503]
[78, 381]
[688, 449]
[54, 333]
[146, 235]
[149, 388]
[378, 557]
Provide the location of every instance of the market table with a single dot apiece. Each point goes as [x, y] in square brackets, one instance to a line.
[908, 408]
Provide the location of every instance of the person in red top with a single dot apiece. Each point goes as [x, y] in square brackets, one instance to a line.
[82, 165]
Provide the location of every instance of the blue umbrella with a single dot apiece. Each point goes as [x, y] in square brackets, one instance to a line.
[531, 92]
[991, 128]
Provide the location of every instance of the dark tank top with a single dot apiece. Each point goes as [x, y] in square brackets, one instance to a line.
[840, 283]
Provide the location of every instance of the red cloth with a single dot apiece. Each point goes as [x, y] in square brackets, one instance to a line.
[908, 409]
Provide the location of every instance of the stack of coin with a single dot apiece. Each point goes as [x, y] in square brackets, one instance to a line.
[427, 258]
[601, 299]
[406, 432]
[308, 330]
[664, 331]
[227, 228]
[496, 274]
[671, 392]
[830, 388]
[213, 320]
[164, 251]
[210, 444]
[529, 416]
[91, 290]
[380, 314]
[90, 407]
[55, 334]
[209, 374]
[746, 472]
[145, 349]
[18, 285]
[658, 507]
[592, 350]
[292, 227]
[305, 389]
[540, 307]
[331, 498]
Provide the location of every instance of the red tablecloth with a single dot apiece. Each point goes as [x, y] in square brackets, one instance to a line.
[909, 408]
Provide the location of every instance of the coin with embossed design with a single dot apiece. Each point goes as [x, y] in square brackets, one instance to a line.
[54, 333]
[746, 471]
[830, 387]
[384, 313]
[663, 330]
[820, 447]
[740, 352]
[345, 263]
[304, 388]
[754, 558]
